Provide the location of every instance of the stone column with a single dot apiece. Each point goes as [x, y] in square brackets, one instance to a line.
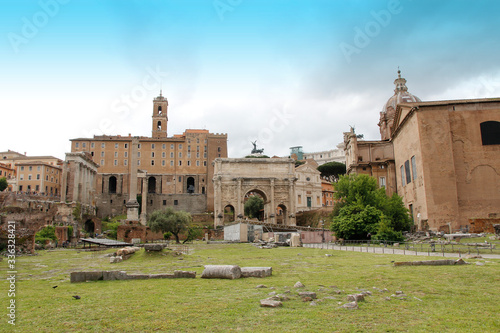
[272, 215]
[76, 181]
[218, 203]
[291, 185]
[132, 204]
[64, 182]
[144, 192]
[239, 208]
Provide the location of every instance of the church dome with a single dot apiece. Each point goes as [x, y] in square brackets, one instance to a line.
[401, 95]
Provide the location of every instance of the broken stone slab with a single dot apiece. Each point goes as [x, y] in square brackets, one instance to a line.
[311, 294]
[137, 276]
[114, 260]
[153, 247]
[268, 303]
[259, 272]
[298, 285]
[356, 298]
[114, 275]
[221, 272]
[261, 286]
[184, 274]
[350, 305]
[431, 262]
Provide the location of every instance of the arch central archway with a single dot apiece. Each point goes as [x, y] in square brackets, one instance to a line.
[262, 214]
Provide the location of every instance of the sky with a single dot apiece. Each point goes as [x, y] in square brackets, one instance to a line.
[285, 73]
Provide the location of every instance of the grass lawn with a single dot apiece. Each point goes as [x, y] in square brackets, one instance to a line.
[440, 298]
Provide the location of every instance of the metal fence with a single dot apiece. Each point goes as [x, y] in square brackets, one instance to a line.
[409, 248]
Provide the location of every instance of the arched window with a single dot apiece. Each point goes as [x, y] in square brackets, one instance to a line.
[190, 184]
[152, 185]
[112, 184]
[159, 109]
[159, 125]
[490, 133]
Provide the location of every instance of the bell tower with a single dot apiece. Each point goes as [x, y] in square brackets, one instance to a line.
[160, 118]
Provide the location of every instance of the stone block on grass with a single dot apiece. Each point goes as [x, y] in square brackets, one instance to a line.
[153, 247]
[221, 272]
[259, 272]
[184, 274]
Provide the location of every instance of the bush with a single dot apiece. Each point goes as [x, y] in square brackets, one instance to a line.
[47, 233]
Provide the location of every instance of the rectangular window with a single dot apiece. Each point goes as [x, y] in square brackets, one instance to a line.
[102, 162]
[163, 154]
[164, 146]
[103, 145]
[300, 199]
[407, 171]
[116, 146]
[102, 154]
[139, 146]
[171, 163]
[189, 163]
[84, 145]
[116, 162]
[92, 153]
[381, 181]
[125, 162]
[77, 145]
[180, 154]
[189, 147]
[152, 162]
[218, 149]
[180, 163]
[172, 146]
[38, 176]
[139, 154]
[152, 146]
[138, 162]
[116, 154]
[180, 145]
[126, 154]
[403, 176]
[204, 163]
[205, 149]
[176, 202]
[126, 145]
[197, 163]
[38, 168]
[414, 167]
[180, 179]
[152, 154]
[164, 202]
[163, 162]
[171, 154]
[204, 155]
[21, 177]
[92, 145]
[22, 168]
[47, 177]
[37, 188]
[197, 155]
[30, 168]
[188, 155]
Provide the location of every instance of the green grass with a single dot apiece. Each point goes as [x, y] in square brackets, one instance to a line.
[440, 298]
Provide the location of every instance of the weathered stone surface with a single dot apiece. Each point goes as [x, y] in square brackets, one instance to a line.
[137, 276]
[221, 272]
[431, 262]
[307, 299]
[350, 305]
[328, 255]
[268, 303]
[184, 274]
[259, 272]
[261, 286]
[311, 294]
[114, 275]
[114, 260]
[356, 298]
[93, 276]
[77, 277]
[161, 276]
[272, 293]
[153, 247]
[298, 285]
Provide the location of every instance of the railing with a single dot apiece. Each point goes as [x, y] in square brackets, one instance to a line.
[416, 248]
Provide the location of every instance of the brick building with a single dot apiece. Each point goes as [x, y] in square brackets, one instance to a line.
[172, 171]
[441, 157]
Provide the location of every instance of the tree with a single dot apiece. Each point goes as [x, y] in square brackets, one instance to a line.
[365, 209]
[253, 206]
[331, 171]
[3, 184]
[193, 233]
[169, 220]
[48, 232]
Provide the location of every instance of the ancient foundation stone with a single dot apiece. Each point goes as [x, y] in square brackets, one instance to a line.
[259, 272]
[221, 272]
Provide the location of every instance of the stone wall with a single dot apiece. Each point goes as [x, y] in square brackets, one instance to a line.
[131, 230]
[483, 225]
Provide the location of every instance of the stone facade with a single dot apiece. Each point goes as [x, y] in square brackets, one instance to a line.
[79, 179]
[308, 187]
[272, 178]
[173, 170]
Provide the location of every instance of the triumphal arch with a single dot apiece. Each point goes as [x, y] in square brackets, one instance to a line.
[273, 179]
